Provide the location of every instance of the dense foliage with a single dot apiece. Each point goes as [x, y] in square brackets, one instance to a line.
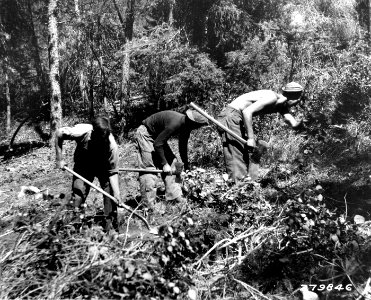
[206, 52]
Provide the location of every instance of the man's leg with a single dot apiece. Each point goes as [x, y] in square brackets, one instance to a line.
[147, 182]
[236, 156]
[80, 191]
[173, 190]
[236, 159]
[110, 207]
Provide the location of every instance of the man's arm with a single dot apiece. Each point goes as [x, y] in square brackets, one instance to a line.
[68, 133]
[158, 145]
[113, 168]
[114, 182]
[289, 119]
[248, 113]
[183, 147]
[60, 136]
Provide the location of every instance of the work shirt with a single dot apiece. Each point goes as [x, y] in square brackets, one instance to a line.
[162, 126]
[87, 154]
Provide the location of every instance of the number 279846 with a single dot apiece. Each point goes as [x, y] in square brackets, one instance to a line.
[329, 287]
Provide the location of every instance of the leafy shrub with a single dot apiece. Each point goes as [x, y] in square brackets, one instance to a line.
[172, 73]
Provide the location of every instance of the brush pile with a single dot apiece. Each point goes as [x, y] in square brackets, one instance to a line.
[232, 242]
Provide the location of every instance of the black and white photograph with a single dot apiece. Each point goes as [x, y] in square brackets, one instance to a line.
[185, 149]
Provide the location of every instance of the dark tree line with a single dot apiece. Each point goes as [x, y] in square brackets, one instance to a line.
[122, 57]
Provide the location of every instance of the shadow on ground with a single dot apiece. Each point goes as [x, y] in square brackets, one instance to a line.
[20, 148]
[356, 199]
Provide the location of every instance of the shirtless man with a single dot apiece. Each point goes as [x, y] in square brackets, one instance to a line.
[238, 116]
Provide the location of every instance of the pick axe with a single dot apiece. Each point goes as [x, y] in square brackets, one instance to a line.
[177, 171]
[256, 152]
[152, 230]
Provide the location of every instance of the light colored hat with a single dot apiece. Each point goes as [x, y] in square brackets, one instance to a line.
[292, 87]
[195, 116]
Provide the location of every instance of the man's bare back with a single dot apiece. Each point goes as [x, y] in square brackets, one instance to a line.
[245, 100]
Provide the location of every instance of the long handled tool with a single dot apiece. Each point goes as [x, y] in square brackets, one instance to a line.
[152, 230]
[261, 145]
[176, 170]
[217, 123]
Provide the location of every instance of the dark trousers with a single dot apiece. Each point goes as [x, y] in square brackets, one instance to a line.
[80, 191]
[236, 156]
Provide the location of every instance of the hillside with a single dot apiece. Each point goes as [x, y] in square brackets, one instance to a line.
[257, 240]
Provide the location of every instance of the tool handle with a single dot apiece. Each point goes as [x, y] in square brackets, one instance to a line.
[140, 170]
[174, 172]
[217, 123]
[108, 195]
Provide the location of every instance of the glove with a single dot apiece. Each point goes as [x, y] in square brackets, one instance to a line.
[299, 127]
[61, 164]
[251, 143]
[166, 168]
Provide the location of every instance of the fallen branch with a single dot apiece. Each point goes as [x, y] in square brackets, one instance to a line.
[249, 288]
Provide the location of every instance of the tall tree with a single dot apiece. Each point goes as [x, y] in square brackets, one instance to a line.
[55, 99]
[82, 75]
[4, 37]
[171, 12]
[36, 52]
[128, 27]
[8, 103]
[192, 14]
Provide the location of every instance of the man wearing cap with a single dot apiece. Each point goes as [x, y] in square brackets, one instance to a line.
[238, 116]
[154, 151]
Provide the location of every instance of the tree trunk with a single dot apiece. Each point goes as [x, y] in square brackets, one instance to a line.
[36, 55]
[129, 22]
[82, 77]
[55, 99]
[125, 79]
[8, 106]
[171, 12]
[127, 26]
[101, 62]
[91, 99]
[125, 92]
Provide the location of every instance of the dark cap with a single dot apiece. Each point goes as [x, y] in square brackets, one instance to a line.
[196, 117]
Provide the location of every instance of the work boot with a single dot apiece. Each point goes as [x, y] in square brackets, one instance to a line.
[148, 189]
[173, 190]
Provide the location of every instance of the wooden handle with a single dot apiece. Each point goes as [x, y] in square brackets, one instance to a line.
[109, 196]
[217, 123]
[140, 170]
[173, 172]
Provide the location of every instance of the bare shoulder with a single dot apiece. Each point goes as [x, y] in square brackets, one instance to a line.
[247, 99]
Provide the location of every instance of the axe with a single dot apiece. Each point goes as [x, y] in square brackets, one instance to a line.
[152, 230]
[256, 152]
[177, 171]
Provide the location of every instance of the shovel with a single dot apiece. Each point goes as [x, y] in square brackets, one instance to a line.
[254, 163]
[152, 230]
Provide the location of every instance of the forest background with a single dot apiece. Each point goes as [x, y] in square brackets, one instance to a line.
[65, 62]
[130, 57]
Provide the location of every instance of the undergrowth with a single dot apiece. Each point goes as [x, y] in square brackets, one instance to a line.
[257, 242]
